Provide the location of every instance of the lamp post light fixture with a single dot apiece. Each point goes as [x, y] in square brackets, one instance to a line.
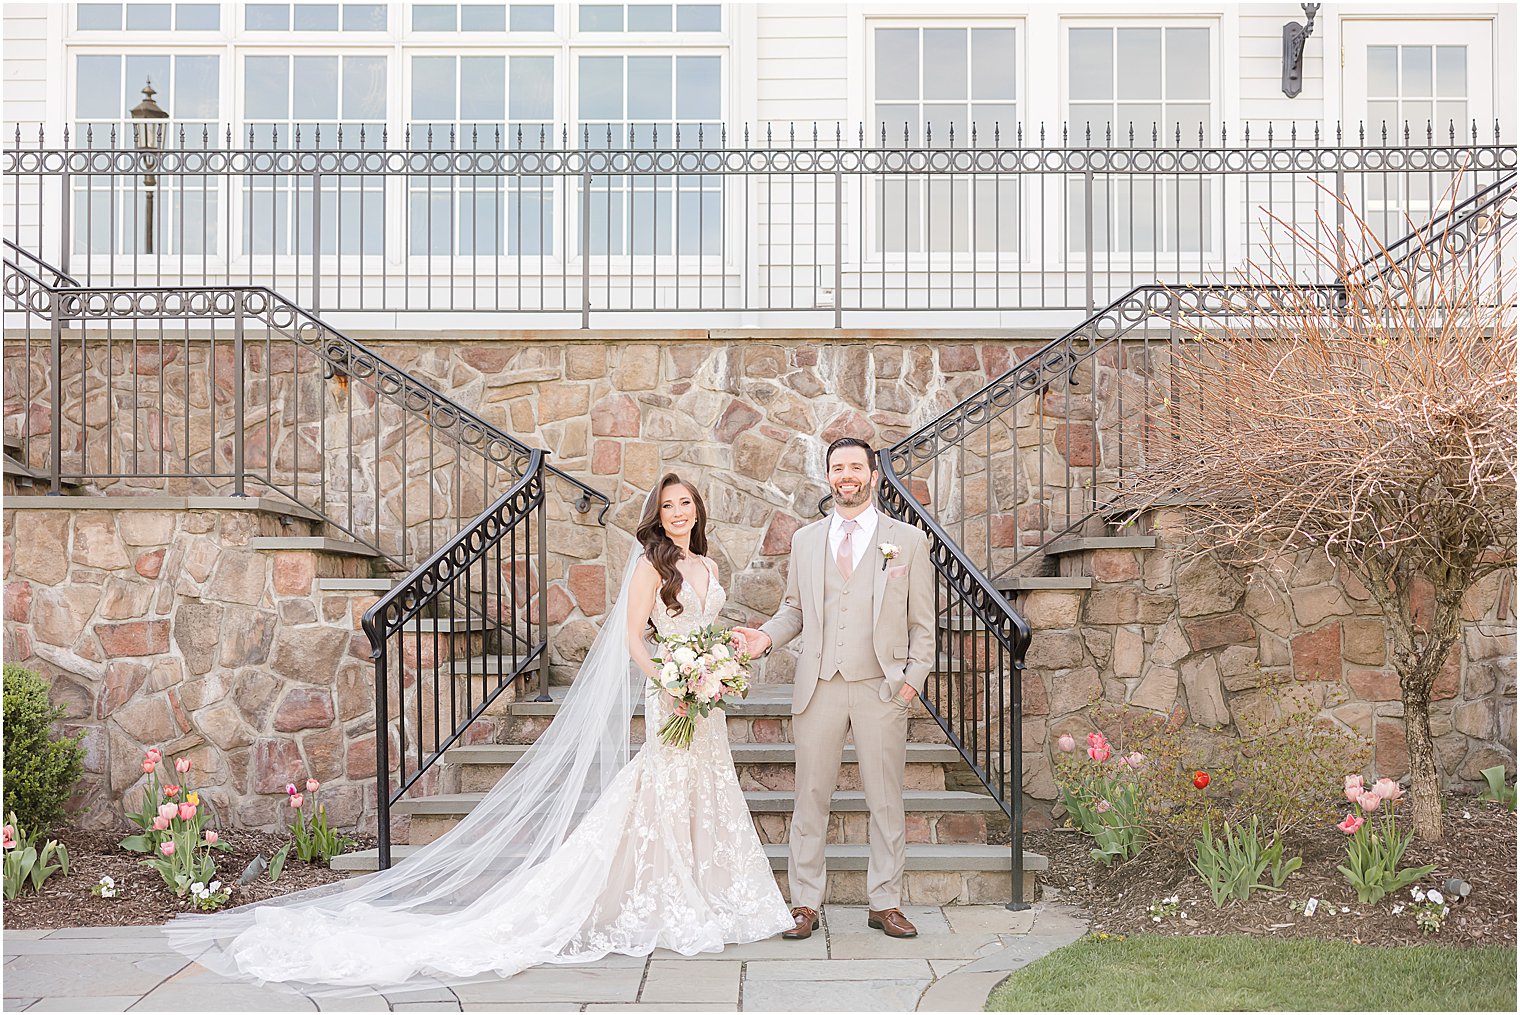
[148, 123]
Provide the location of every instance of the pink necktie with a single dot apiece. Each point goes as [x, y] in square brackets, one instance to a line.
[846, 555]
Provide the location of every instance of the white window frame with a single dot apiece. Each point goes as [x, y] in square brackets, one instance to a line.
[1221, 104]
[863, 100]
[467, 265]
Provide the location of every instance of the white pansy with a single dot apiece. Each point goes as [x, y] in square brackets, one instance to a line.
[1435, 896]
[1417, 893]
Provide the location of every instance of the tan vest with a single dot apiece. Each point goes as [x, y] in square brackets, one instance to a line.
[849, 648]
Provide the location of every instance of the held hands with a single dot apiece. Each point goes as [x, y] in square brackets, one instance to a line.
[755, 643]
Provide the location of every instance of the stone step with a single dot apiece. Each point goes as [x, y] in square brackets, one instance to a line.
[315, 544]
[128, 502]
[769, 700]
[1021, 583]
[356, 584]
[478, 767]
[934, 816]
[1082, 544]
[934, 875]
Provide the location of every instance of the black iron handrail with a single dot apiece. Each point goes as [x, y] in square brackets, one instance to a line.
[467, 579]
[1419, 251]
[987, 733]
[340, 353]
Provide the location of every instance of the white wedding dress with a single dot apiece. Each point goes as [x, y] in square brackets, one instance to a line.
[665, 857]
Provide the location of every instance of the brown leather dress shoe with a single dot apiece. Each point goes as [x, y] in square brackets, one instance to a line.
[890, 922]
[807, 922]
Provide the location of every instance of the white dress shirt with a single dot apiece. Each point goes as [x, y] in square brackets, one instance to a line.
[860, 539]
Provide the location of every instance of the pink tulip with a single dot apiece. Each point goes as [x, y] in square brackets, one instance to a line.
[1067, 743]
[1098, 753]
[312, 785]
[182, 765]
[1368, 802]
[160, 823]
[211, 837]
[297, 800]
[9, 841]
[167, 848]
[170, 792]
[1135, 759]
[1095, 740]
[1350, 825]
[154, 755]
[290, 789]
[148, 767]
[1354, 787]
[186, 812]
[167, 811]
[1103, 806]
[1387, 789]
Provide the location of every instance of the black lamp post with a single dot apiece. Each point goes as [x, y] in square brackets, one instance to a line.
[148, 123]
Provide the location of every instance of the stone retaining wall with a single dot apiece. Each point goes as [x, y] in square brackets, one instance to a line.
[162, 628]
[1183, 637]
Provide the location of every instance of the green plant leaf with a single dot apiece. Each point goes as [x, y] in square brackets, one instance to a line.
[277, 863]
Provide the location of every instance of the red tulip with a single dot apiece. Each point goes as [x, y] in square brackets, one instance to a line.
[1200, 780]
[1350, 825]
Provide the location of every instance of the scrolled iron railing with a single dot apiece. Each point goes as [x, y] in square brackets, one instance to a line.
[458, 632]
[1093, 396]
[218, 389]
[974, 692]
[845, 227]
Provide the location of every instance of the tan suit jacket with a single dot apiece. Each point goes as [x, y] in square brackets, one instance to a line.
[903, 604]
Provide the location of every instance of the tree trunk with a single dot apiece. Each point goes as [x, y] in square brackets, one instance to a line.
[1425, 781]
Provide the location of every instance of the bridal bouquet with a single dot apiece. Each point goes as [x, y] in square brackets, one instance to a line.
[701, 669]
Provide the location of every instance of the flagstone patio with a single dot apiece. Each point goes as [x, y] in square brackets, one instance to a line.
[961, 953]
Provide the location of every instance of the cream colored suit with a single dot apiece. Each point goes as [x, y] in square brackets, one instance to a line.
[869, 652]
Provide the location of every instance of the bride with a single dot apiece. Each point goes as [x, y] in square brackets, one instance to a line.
[576, 853]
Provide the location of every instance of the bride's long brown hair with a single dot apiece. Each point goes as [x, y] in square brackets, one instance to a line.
[663, 553]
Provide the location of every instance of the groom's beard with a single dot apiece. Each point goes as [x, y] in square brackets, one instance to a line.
[861, 495]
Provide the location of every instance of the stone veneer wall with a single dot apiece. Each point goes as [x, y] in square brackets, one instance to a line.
[747, 419]
[162, 628]
[1184, 637]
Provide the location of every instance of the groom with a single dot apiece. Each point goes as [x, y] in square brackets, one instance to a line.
[860, 591]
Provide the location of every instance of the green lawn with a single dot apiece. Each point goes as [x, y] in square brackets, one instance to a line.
[1240, 973]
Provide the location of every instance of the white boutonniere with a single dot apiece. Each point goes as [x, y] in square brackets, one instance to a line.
[889, 551]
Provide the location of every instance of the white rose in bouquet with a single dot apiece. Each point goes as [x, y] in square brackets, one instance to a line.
[684, 656]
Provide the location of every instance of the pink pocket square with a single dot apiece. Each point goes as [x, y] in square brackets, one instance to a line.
[897, 571]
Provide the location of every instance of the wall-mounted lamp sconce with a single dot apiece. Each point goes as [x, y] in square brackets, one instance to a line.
[1295, 36]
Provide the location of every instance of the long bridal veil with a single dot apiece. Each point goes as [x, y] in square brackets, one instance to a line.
[473, 900]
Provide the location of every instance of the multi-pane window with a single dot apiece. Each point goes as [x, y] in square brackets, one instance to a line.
[1133, 84]
[114, 216]
[645, 102]
[148, 17]
[481, 103]
[1140, 86]
[314, 101]
[1421, 89]
[1423, 86]
[930, 87]
[649, 17]
[482, 17]
[314, 17]
[933, 84]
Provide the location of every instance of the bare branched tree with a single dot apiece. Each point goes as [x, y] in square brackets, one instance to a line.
[1379, 430]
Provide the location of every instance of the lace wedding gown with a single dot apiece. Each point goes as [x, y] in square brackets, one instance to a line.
[667, 857]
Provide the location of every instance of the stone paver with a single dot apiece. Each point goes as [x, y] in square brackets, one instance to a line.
[960, 955]
[107, 1003]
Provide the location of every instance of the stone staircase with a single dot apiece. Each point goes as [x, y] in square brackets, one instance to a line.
[951, 859]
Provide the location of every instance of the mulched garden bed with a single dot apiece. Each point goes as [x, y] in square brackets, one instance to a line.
[1479, 848]
[144, 898]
